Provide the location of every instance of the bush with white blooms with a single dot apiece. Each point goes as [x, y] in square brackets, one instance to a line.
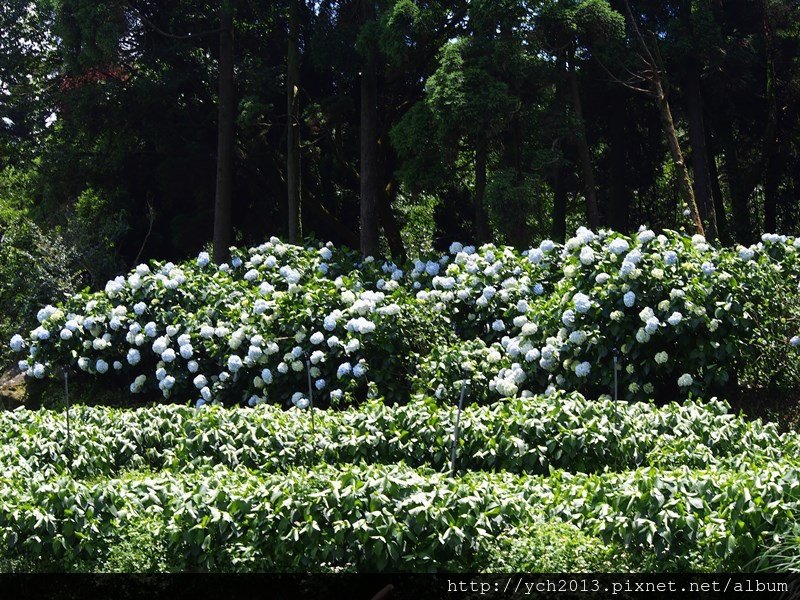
[682, 315]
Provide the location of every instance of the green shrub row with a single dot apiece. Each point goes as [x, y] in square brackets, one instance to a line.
[524, 435]
[390, 517]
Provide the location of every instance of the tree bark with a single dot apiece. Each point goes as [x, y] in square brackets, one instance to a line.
[293, 124]
[559, 226]
[619, 201]
[697, 141]
[684, 181]
[223, 218]
[657, 87]
[391, 227]
[771, 142]
[716, 192]
[369, 142]
[584, 153]
[481, 218]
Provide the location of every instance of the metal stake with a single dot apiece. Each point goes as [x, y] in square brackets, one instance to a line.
[458, 423]
[310, 397]
[616, 354]
[66, 399]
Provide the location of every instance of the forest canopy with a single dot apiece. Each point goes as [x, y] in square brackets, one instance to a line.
[141, 128]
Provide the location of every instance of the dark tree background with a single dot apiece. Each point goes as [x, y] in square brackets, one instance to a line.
[147, 128]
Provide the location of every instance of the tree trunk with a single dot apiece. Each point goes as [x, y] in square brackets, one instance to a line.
[559, 226]
[619, 202]
[654, 77]
[481, 218]
[584, 154]
[391, 227]
[223, 219]
[369, 142]
[293, 123]
[771, 143]
[697, 140]
[716, 192]
[684, 181]
[740, 190]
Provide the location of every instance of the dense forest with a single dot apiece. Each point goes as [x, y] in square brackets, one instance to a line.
[143, 128]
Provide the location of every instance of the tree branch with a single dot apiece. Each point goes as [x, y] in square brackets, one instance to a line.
[173, 36]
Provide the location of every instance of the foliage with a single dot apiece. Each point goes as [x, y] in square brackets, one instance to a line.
[36, 267]
[525, 436]
[390, 516]
[684, 316]
[558, 547]
[783, 554]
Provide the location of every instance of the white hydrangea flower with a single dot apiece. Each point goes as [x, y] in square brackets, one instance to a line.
[629, 299]
[675, 318]
[160, 344]
[17, 343]
[582, 302]
[344, 369]
[685, 380]
[133, 357]
[234, 363]
[619, 246]
[583, 369]
[652, 325]
[577, 337]
[746, 253]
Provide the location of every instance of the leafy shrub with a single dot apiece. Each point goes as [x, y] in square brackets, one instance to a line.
[392, 517]
[95, 226]
[531, 435]
[35, 268]
[685, 317]
[374, 518]
[557, 547]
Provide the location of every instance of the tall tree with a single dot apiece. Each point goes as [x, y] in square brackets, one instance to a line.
[223, 209]
[652, 75]
[370, 178]
[694, 104]
[293, 122]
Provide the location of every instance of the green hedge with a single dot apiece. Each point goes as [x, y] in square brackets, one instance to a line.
[390, 517]
[526, 435]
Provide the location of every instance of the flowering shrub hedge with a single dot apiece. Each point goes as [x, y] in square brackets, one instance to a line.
[682, 315]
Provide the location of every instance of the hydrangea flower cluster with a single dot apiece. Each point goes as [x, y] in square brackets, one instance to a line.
[680, 313]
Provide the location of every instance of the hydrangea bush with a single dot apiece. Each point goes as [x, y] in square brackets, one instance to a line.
[680, 315]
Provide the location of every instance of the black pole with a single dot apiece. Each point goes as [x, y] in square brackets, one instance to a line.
[310, 397]
[458, 423]
[66, 400]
